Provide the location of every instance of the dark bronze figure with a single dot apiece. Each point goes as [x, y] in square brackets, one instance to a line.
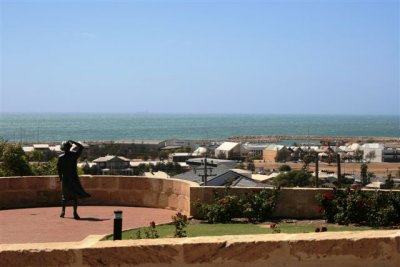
[68, 173]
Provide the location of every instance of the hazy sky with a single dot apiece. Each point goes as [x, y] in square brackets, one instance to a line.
[302, 57]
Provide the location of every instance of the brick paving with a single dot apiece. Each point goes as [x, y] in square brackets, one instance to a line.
[39, 225]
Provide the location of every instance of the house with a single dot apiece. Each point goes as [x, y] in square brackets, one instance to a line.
[228, 150]
[373, 152]
[270, 152]
[179, 157]
[28, 149]
[262, 178]
[391, 155]
[196, 175]
[194, 162]
[251, 150]
[41, 147]
[235, 178]
[215, 167]
[200, 152]
[114, 165]
[172, 144]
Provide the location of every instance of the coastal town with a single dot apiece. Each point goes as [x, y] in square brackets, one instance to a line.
[241, 164]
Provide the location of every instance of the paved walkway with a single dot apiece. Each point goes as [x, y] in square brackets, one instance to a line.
[38, 225]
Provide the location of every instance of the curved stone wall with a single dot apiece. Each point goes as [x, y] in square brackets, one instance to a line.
[42, 191]
[180, 195]
[175, 194]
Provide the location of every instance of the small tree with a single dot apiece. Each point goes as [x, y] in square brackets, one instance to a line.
[308, 158]
[293, 178]
[282, 155]
[285, 168]
[251, 166]
[221, 155]
[364, 174]
[389, 183]
[358, 154]
[14, 161]
[370, 155]
[49, 168]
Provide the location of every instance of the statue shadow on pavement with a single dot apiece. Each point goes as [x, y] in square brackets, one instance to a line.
[91, 219]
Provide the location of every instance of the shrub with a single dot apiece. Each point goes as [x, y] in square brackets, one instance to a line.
[180, 222]
[149, 233]
[256, 207]
[285, 168]
[374, 209]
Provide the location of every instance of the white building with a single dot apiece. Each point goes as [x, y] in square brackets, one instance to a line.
[228, 149]
[251, 150]
[376, 149]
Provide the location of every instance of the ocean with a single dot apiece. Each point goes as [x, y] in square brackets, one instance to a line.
[41, 127]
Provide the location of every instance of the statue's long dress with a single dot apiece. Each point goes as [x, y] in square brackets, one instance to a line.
[71, 185]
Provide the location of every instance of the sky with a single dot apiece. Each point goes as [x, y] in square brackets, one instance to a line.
[247, 57]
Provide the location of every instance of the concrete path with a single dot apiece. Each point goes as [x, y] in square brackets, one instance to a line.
[39, 225]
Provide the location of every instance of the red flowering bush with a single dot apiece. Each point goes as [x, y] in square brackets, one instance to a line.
[328, 195]
[328, 205]
[361, 207]
[180, 222]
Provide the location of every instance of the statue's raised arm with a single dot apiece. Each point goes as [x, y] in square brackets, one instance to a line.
[79, 147]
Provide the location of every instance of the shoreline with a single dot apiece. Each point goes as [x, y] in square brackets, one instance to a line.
[251, 139]
[346, 139]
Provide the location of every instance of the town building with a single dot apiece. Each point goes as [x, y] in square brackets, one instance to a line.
[373, 152]
[252, 150]
[270, 152]
[228, 150]
[114, 165]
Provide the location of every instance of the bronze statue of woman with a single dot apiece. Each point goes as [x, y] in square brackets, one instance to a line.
[68, 173]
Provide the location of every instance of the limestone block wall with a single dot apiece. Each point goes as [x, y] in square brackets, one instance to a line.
[296, 203]
[357, 249]
[42, 191]
[180, 195]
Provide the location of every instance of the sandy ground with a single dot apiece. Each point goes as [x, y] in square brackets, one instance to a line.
[380, 169]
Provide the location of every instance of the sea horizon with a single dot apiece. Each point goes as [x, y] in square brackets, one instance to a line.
[95, 126]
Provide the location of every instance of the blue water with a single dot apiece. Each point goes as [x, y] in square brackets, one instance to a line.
[89, 127]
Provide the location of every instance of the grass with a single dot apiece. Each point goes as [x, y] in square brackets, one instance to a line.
[193, 230]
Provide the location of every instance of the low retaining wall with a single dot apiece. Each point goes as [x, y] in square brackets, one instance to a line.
[180, 195]
[44, 191]
[295, 203]
[363, 249]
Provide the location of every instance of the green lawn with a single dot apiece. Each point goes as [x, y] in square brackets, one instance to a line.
[194, 230]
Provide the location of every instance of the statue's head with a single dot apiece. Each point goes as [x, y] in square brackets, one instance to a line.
[65, 146]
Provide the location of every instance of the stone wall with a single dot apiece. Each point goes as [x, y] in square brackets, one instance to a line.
[295, 203]
[23, 192]
[180, 195]
[358, 249]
